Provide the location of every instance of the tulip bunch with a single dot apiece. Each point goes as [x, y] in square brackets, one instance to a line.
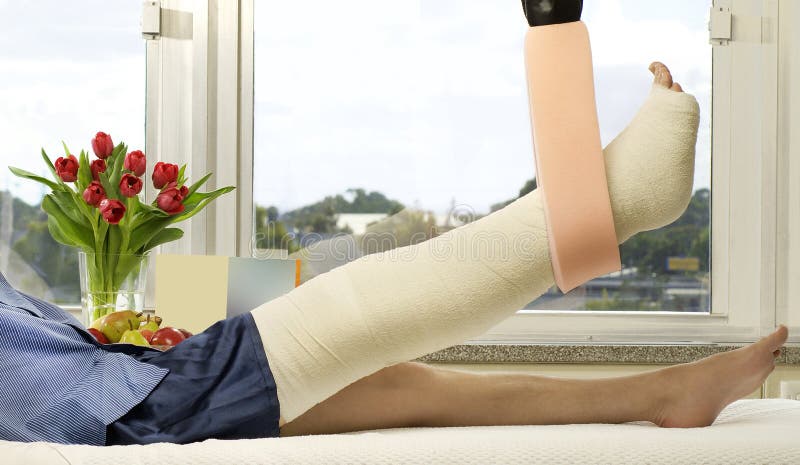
[94, 205]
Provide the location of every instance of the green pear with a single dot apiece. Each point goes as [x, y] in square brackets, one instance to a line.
[134, 337]
[150, 326]
[150, 322]
[115, 324]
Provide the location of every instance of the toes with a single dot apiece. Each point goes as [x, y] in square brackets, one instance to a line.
[776, 340]
[661, 75]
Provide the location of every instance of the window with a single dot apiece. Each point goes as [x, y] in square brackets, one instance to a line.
[412, 119]
[319, 109]
[79, 71]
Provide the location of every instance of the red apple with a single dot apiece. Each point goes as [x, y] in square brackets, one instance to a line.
[98, 336]
[185, 333]
[168, 336]
[147, 334]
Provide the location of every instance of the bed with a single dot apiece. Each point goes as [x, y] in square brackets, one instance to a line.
[747, 432]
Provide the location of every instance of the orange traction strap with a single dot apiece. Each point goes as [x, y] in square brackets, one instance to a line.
[570, 167]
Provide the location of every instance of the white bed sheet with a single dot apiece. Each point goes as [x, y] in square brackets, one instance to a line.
[747, 432]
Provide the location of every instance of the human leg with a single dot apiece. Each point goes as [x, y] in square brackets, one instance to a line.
[414, 394]
[388, 308]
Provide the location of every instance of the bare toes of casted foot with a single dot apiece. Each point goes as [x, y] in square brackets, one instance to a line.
[661, 75]
[697, 392]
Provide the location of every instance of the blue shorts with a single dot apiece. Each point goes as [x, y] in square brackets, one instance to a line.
[219, 386]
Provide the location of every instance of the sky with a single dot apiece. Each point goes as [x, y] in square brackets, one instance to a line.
[423, 100]
[67, 70]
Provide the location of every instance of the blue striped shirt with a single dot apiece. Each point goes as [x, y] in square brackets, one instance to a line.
[57, 384]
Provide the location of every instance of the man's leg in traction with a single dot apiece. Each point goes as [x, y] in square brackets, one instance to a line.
[388, 308]
[414, 394]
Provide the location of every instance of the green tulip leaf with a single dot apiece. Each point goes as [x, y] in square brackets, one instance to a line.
[102, 232]
[162, 237]
[120, 148]
[72, 230]
[117, 160]
[193, 188]
[197, 201]
[28, 175]
[49, 164]
[198, 197]
[145, 232]
[153, 210]
[65, 202]
[58, 235]
[181, 178]
[112, 190]
[84, 172]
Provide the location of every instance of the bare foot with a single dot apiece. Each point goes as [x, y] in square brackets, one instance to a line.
[662, 77]
[695, 393]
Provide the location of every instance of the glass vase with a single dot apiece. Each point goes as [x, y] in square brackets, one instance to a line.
[110, 283]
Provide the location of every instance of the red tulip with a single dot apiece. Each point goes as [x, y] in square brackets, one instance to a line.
[94, 194]
[130, 185]
[67, 168]
[183, 189]
[98, 166]
[112, 210]
[102, 145]
[164, 173]
[136, 162]
[170, 200]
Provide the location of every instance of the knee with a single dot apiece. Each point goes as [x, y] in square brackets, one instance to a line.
[407, 376]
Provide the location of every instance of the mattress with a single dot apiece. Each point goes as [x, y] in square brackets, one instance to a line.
[747, 432]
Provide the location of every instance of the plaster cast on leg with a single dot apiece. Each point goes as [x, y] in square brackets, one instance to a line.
[399, 305]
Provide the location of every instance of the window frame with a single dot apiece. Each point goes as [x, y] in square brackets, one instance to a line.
[744, 141]
[788, 197]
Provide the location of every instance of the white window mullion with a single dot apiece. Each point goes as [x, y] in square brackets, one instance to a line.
[170, 112]
[202, 127]
[226, 148]
[769, 163]
[228, 144]
[170, 107]
[193, 116]
[788, 189]
[752, 220]
[721, 173]
[246, 117]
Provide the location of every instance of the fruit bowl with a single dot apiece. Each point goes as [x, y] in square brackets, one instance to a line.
[129, 327]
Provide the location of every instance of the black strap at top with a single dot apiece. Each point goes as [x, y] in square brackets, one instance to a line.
[544, 12]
